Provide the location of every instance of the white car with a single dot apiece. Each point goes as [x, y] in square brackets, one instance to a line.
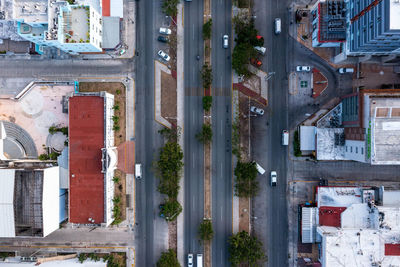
[163, 55]
[190, 260]
[225, 41]
[303, 68]
[273, 178]
[165, 31]
[256, 110]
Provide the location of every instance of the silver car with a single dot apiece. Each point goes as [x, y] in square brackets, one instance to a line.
[303, 68]
[165, 31]
[163, 55]
[273, 178]
[190, 260]
[225, 41]
[257, 110]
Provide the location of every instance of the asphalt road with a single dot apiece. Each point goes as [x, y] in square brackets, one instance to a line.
[221, 121]
[269, 207]
[194, 156]
[150, 229]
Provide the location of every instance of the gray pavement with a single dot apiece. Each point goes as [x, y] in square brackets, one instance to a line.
[221, 120]
[151, 230]
[269, 208]
[194, 153]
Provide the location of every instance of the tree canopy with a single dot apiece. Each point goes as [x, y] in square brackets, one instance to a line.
[245, 249]
[168, 259]
[246, 179]
[206, 231]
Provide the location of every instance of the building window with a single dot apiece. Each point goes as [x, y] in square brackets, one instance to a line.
[346, 148]
[351, 149]
[362, 151]
[356, 149]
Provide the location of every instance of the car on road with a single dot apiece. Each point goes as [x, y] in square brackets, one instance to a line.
[163, 39]
[256, 62]
[163, 55]
[257, 110]
[190, 260]
[345, 70]
[285, 138]
[303, 68]
[138, 171]
[165, 31]
[277, 26]
[273, 178]
[225, 41]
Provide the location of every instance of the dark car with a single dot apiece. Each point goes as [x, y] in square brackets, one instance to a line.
[163, 39]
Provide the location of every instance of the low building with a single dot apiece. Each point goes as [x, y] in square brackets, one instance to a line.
[92, 158]
[354, 226]
[29, 202]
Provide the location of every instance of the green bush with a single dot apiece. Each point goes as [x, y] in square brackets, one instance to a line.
[168, 259]
[206, 76]
[207, 27]
[206, 230]
[245, 250]
[205, 136]
[44, 157]
[171, 210]
[207, 102]
[116, 179]
[246, 184]
[296, 144]
[169, 7]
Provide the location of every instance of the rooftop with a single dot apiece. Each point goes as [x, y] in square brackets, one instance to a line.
[30, 10]
[332, 21]
[77, 21]
[338, 196]
[86, 139]
[394, 15]
[327, 146]
[385, 132]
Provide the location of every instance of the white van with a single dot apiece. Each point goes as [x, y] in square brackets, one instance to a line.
[285, 137]
[138, 171]
[260, 169]
[199, 260]
[277, 26]
[260, 49]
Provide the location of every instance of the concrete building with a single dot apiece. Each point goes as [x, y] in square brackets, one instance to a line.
[355, 226]
[29, 202]
[328, 23]
[92, 158]
[73, 29]
[372, 32]
[364, 127]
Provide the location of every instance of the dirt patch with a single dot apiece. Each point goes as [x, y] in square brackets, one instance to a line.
[253, 83]
[244, 213]
[168, 98]
[119, 92]
[172, 235]
[173, 42]
[244, 126]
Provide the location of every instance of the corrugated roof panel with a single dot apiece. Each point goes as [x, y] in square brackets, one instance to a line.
[308, 224]
[7, 225]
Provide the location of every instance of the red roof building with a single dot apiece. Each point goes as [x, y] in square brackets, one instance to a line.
[86, 140]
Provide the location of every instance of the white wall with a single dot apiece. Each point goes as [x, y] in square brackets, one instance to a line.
[355, 150]
[51, 200]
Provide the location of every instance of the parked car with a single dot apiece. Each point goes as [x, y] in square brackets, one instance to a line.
[165, 31]
[138, 171]
[163, 39]
[345, 70]
[163, 55]
[257, 110]
[303, 68]
[273, 178]
[256, 62]
[225, 41]
[260, 49]
[190, 260]
[277, 26]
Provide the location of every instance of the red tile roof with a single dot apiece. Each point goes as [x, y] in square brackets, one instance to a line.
[86, 138]
[105, 9]
[392, 249]
[330, 216]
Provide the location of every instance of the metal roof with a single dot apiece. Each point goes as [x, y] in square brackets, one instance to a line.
[307, 138]
[7, 226]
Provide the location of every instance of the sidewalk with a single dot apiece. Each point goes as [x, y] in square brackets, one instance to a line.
[180, 121]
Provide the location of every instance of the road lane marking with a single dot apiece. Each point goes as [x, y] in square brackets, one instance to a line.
[221, 213]
[222, 129]
[193, 31]
[193, 203]
[193, 161]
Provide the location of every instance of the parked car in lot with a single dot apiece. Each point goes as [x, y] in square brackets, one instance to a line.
[273, 178]
[190, 260]
[165, 31]
[163, 39]
[163, 55]
[303, 68]
[257, 110]
[225, 41]
[345, 70]
[256, 62]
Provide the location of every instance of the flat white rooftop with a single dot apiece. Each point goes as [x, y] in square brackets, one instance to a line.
[338, 196]
[394, 15]
[31, 11]
[385, 130]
